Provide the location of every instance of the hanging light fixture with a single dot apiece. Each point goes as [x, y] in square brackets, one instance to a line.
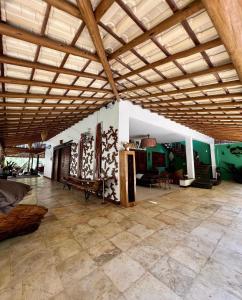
[148, 142]
[44, 135]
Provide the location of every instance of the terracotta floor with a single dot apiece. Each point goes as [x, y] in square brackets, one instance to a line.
[184, 245]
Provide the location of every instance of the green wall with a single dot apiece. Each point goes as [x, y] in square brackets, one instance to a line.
[223, 156]
[159, 148]
[180, 162]
[203, 150]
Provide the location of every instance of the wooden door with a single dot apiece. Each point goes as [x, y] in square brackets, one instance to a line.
[64, 169]
[56, 159]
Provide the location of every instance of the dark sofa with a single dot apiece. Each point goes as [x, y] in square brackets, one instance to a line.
[11, 193]
[148, 178]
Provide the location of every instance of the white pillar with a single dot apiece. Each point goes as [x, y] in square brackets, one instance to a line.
[213, 159]
[190, 158]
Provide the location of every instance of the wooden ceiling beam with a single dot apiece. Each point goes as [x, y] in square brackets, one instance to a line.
[36, 39]
[198, 105]
[66, 6]
[200, 98]
[207, 118]
[12, 80]
[36, 65]
[164, 25]
[224, 124]
[75, 12]
[172, 58]
[211, 70]
[47, 111]
[227, 19]
[201, 88]
[201, 111]
[50, 112]
[34, 123]
[88, 16]
[102, 8]
[44, 96]
[14, 104]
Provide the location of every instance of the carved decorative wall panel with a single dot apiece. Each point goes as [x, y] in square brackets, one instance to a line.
[74, 159]
[109, 167]
[87, 157]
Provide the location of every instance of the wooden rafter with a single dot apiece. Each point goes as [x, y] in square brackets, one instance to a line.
[182, 77]
[12, 80]
[172, 58]
[172, 112]
[36, 65]
[189, 90]
[26, 36]
[164, 25]
[41, 96]
[75, 12]
[91, 23]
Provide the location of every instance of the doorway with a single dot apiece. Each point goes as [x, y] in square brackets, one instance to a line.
[61, 163]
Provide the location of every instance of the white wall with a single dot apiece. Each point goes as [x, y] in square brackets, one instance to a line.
[128, 110]
[108, 117]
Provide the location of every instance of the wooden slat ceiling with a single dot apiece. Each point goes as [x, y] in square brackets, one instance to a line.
[63, 60]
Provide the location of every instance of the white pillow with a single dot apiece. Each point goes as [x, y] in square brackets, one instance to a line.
[139, 176]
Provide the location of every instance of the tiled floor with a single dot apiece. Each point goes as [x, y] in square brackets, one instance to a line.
[184, 245]
[146, 193]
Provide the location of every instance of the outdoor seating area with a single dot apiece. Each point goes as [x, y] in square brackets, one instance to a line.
[121, 150]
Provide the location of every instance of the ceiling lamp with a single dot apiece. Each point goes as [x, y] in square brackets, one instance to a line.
[148, 142]
[44, 135]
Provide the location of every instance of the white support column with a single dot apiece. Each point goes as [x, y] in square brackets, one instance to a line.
[213, 159]
[190, 158]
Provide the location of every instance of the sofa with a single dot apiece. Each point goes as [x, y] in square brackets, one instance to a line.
[11, 194]
[148, 178]
[19, 215]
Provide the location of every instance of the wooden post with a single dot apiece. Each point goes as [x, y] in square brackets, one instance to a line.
[226, 16]
[37, 164]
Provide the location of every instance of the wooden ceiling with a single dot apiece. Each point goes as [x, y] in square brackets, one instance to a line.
[63, 60]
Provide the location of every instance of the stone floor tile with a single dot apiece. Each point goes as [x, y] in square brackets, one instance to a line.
[94, 286]
[175, 275]
[98, 222]
[231, 259]
[200, 245]
[203, 290]
[103, 252]
[90, 239]
[46, 281]
[110, 229]
[160, 241]
[146, 255]
[75, 268]
[140, 231]
[148, 287]
[222, 277]
[13, 291]
[123, 271]
[65, 249]
[125, 240]
[208, 233]
[189, 258]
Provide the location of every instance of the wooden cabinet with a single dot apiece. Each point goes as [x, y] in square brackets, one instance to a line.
[127, 178]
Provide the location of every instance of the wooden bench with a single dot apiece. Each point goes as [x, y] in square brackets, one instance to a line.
[88, 186]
